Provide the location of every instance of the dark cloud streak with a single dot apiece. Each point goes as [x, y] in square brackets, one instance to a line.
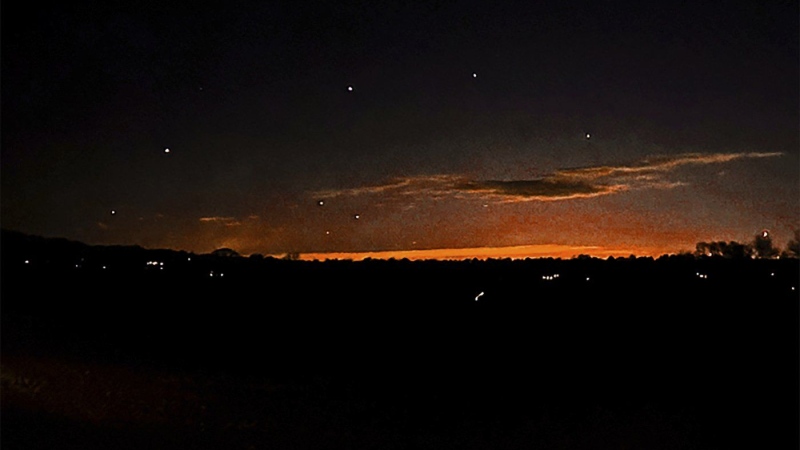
[563, 184]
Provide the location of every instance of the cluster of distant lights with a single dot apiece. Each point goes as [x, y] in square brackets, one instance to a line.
[159, 264]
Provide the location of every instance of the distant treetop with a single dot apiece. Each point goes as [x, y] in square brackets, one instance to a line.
[225, 252]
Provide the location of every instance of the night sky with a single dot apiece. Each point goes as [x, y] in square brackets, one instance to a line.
[454, 129]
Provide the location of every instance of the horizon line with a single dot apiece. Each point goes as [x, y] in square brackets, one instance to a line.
[483, 253]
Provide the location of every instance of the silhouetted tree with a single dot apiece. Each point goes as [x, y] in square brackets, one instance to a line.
[292, 256]
[737, 250]
[762, 244]
[793, 247]
[225, 252]
[702, 249]
[732, 249]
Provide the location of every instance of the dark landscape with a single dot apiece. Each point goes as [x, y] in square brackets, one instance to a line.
[300, 224]
[105, 347]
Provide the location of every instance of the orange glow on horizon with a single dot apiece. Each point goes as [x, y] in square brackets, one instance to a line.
[515, 252]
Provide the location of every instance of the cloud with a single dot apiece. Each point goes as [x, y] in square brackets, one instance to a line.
[563, 184]
[227, 221]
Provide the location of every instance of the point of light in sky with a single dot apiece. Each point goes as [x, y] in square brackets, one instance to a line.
[474, 75]
[350, 88]
[357, 216]
[478, 296]
[588, 136]
[113, 212]
[321, 202]
[166, 150]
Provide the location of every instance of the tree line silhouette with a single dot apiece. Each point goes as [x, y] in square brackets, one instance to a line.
[760, 247]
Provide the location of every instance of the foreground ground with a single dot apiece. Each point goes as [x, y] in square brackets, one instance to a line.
[608, 354]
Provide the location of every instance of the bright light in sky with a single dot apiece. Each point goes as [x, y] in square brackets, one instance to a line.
[350, 88]
[166, 150]
[474, 75]
[479, 296]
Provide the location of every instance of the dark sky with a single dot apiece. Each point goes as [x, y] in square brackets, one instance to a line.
[638, 127]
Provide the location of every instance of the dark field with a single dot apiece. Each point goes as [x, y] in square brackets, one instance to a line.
[394, 354]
